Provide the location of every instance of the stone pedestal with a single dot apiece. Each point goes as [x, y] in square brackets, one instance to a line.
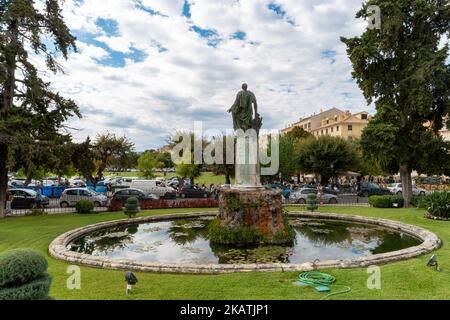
[259, 211]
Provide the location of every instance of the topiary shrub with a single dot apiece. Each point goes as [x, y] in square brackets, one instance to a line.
[311, 202]
[131, 208]
[23, 275]
[85, 207]
[438, 205]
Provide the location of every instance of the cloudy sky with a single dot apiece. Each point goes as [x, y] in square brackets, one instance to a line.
[146, 68]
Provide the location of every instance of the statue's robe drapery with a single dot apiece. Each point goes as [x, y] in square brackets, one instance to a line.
[242, 110]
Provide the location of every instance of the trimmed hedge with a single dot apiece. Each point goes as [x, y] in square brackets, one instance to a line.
[84, 207]
[35, 290]
[23, 275]
[20, 266]
[386, 201]
[417, 201]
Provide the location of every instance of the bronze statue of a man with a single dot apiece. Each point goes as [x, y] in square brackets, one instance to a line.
[242, 111]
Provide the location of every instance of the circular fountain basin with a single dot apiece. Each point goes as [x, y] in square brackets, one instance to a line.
[179, 244]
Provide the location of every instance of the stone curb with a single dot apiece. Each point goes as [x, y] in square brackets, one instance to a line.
[58, 248]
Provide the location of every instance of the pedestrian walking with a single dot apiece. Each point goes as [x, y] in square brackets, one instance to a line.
[38, 197]
[9, 200]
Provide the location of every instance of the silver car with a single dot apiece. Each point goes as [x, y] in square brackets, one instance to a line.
[70, 197]
[300, 196]
[396, 188]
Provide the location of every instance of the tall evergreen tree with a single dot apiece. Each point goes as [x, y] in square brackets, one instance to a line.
[30, 112]
[402, 69]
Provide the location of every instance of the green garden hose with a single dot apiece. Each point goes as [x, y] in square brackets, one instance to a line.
[315, 278]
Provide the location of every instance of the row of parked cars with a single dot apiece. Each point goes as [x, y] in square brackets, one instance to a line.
[368, 189]
[330, 196]
[142, 189]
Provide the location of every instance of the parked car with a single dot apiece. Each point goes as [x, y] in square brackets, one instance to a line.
[127, 181]
[190, 192]
[396, 188]
[70, 197]
[300, 196]
[77, 182]
[123, 195]
[26, 199]
[331, 190]
[173, 183]
[17, 182]
[368, 189]
[155, 187]
[429, 180]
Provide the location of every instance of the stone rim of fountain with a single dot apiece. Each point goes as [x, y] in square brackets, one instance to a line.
[58, 248]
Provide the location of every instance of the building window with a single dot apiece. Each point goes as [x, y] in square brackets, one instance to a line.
[337, 128]
[364, 116]
[321, 132]
[326, 131]
[309, 125]
[332, 129]
[328, 121]
[350, 127]
[335, 119]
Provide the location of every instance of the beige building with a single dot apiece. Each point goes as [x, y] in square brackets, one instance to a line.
[334, 122]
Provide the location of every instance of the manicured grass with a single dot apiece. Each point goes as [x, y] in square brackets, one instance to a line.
[409, 279]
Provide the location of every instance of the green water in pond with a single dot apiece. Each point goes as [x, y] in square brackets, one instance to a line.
[186, 241]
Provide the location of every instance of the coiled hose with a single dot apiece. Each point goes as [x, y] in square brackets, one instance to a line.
[315, 278]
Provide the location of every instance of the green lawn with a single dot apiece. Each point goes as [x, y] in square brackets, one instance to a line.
[404, 280]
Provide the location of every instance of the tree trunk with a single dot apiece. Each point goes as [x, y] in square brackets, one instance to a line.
[102, 167]
[405, 175]
[9, 91]
[3, 178]
[28, 179]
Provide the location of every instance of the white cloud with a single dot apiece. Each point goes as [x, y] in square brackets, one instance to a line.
[148, 100]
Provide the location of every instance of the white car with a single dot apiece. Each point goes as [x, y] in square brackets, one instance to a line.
[155, 187]
[396, 188]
